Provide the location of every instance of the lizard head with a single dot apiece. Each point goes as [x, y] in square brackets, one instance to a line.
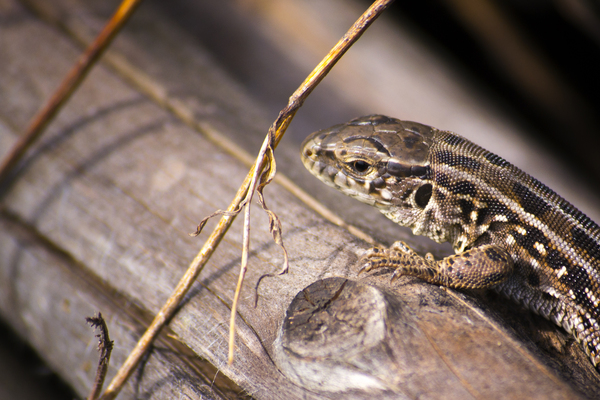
[378, 160]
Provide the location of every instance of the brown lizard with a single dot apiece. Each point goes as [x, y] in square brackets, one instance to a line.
[509, 231]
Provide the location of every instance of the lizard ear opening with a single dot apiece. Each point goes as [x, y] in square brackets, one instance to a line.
[423, 195]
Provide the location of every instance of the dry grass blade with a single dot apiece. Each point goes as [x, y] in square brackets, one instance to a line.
[266, 155]
[274, 222]
[238, 288]
[244, 195]
[71, 82]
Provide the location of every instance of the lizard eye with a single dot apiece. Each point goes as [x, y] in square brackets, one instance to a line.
[360, 166]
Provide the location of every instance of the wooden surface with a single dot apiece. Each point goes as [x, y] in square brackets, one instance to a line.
[97, 219]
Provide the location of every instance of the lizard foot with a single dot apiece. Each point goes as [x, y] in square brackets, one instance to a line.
[399, 256]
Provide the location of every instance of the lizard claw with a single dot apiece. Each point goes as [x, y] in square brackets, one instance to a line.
[395, 275]
[370, 258]
[365, 268]
[401, 247]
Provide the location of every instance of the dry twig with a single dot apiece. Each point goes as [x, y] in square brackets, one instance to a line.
[105, 346]
[243, 198]
[68, 86]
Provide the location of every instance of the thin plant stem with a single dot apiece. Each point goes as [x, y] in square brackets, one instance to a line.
[105, 346]
[276, 132]
[68, 86]
[238, 289]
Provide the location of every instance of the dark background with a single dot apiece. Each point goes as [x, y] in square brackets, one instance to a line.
[563, 35]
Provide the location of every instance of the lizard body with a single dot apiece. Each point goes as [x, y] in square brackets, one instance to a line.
[509, 231]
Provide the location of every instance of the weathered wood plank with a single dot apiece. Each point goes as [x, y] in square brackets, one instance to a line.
[122, 212]
[97, 219]
[61, 292]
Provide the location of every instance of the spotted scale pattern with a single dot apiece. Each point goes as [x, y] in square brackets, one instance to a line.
[509, 231]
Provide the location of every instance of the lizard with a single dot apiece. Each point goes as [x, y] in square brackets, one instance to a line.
[509, 231]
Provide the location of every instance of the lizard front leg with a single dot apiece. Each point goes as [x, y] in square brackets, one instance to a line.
[477, 268]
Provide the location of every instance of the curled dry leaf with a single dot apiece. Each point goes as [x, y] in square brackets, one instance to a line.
[275, 226]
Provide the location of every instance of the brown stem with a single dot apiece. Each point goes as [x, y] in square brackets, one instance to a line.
[105, 346]
[279, 127]
[71, 82]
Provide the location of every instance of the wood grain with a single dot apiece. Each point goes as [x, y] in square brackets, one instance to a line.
[98, 215]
